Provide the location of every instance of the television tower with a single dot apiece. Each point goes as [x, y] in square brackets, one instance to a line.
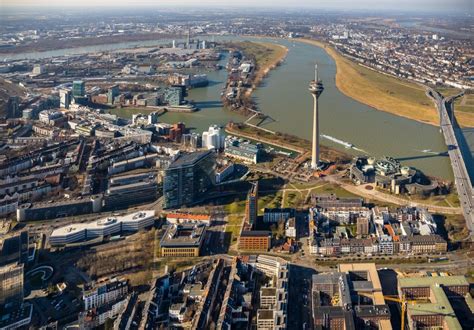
[315, 88]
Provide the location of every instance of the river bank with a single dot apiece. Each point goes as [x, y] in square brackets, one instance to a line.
[383, 92]
[274, 55]
[264, 56]
[286, 141]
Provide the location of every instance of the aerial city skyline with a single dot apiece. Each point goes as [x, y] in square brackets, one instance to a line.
[221, 165]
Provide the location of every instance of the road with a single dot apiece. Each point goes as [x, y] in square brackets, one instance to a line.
[461, 176]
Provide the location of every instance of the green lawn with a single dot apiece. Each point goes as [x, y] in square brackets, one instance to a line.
[293, 199]
[468, 105]
[332, 189]
[265, 53]
[236, 207]
[234, 226]
[450, 200]
[270, 201]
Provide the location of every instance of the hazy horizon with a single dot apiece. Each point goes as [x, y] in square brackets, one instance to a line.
[465, 6]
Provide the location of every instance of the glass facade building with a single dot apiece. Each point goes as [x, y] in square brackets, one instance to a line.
[187, 178]
[78, 88]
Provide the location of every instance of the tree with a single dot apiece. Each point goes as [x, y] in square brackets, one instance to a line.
[278, 230]
[109, 324]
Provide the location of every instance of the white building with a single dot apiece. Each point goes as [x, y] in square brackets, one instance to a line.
[103, 227]
[105, 293]
[385, 245]
[65, 98]
[49, 116]
[213, 138]
[290, 228]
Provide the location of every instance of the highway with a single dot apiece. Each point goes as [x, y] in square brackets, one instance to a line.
[461, 175]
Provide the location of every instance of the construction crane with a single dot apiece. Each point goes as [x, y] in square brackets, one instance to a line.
[403, 301]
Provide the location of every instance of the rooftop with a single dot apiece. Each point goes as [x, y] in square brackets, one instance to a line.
[265, 314]
[188, 216]
[102, 223]
[429, 281]
[255, 233]
[183, 235]
[439, 306]
[189, 159]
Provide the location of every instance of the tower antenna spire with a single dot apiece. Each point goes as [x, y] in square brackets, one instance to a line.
[316, 73]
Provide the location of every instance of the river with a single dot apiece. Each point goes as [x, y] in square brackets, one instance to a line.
[284, 96]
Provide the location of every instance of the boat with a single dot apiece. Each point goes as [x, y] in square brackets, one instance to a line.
[347, 145]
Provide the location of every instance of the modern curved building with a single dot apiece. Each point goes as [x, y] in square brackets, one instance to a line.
[101, 228]
[387, 173]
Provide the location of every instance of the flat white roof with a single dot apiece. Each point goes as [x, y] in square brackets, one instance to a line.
[103, 223]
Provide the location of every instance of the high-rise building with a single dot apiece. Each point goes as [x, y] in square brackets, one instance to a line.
[315, 88]
[213, 139]
[64, 98]
[251, 209]
[112, 93]
[15, 314]
[78, 88]
[11, 283]
[192, 140]
[188, 178]
[13, 107]
[14, 249]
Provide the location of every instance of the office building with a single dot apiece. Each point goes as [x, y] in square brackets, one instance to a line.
[435, 300]
[187, 178]
[315, 88]
[277, 214]
[78, 88]
[123, 196]
[112, 93]
[13, 107]
[60, 209]
[14, 249]
[11, 283]
[183, 240]
[102, 228]
[174, 96]
[251, 208]
[255, 240]
[349, 299]
[14, 313]
[192, 140]
[65, 98]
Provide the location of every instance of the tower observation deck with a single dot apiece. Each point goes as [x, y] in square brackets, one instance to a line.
[315, 88]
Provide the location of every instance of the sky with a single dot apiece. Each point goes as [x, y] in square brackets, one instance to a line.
[401, 5]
